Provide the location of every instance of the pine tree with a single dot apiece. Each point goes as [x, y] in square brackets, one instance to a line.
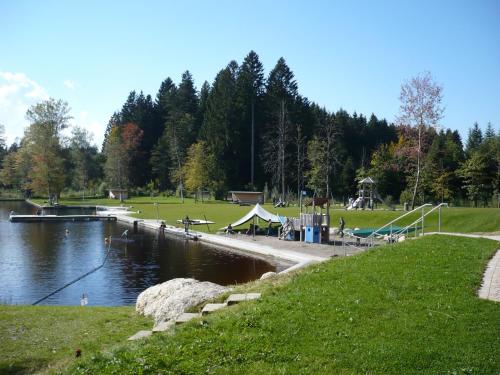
[219, 130]
[281, 91]
[160, 163]
[187, 103]
[490, 132]
[475, 178]
[249, 93]
[165, 99]
[474, 139]
[204, 94]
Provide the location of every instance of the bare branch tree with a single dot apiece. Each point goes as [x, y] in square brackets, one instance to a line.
[274, 153]
[420, 107]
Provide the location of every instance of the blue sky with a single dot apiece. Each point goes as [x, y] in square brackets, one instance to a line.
[351, 54]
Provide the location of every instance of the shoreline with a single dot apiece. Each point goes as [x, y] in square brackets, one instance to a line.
[292, 254]
[289, 255]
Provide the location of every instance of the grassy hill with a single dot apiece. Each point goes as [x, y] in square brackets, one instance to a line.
[407, 308]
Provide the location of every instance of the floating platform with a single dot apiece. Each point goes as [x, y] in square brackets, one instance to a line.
[45, 218]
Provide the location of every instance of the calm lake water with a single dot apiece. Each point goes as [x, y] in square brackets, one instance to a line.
[38, 258]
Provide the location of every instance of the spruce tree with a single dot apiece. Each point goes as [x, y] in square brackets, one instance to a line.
[474, 139]
[249, 92]
[219, 130]
[281, 91]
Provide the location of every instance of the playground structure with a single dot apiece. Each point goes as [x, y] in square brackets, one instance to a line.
[367, 196]
[311, 227]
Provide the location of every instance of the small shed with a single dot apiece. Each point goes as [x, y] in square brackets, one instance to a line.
[120, 194]
[247, 197]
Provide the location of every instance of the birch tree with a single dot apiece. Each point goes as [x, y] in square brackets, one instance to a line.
[420, 107]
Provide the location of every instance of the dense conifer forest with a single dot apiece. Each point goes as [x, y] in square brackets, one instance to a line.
[249, 131]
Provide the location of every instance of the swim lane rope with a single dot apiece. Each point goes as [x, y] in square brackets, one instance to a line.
[78, 278]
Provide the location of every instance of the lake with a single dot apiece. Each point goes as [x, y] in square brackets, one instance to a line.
[38, 258]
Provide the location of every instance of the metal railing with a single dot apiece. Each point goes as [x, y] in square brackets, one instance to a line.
[397, 233]
[405, 230]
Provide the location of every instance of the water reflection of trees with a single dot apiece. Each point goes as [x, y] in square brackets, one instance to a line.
[45, 259]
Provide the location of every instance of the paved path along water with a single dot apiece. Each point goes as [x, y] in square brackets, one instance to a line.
[297, 253]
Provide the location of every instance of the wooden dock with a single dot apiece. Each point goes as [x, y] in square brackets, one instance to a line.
[47, 218]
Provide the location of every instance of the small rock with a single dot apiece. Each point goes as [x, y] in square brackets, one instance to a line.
[267, 275]
[140, 335]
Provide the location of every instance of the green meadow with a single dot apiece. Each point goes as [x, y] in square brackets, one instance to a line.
[409, 308]
[40, 338]
[465, 220]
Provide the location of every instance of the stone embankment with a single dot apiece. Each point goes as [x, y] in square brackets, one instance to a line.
[167, 303]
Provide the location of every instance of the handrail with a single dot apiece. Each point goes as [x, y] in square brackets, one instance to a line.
[398, 218]
[399, 232]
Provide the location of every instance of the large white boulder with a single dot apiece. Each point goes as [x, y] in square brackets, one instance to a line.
[170, 299]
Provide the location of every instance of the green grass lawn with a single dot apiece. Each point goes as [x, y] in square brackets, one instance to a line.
[466, 220]
[402, 309]
[35, 338]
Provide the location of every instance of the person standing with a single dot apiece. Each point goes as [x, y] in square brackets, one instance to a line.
[341, 227]
[269, 228]
[186, 224]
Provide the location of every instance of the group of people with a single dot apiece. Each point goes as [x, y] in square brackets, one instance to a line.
[253, 228]
[279, 202]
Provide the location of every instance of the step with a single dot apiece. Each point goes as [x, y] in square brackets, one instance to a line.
[163, 326]
[237, 298]
[186, 317]
[211, 307]
[140, 335]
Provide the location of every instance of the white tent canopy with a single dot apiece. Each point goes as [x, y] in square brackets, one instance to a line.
[259, 212]
[367, 180]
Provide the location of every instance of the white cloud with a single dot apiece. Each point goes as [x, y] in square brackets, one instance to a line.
[69, 84]
[17, 93]
[94, 127]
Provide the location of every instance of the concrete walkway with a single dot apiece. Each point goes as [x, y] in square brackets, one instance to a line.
[490, 288]
[295, 254]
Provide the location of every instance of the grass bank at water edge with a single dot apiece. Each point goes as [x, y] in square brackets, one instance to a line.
[410, 308]
[45, 338]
